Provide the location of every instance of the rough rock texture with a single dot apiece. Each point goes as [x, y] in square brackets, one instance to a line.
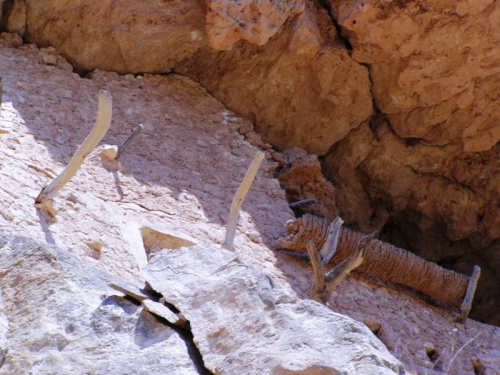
[58, 315]
[301, 178]
[174, 184]
[255, 21]
[301, 88]
[426, 169]
[121, 36]
[428, 70]
[434, 66]
[176, 179]
[243, 322]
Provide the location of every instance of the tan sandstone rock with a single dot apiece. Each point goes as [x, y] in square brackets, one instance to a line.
[302, 179]
[301, 88]
[255, 21]
[434, 66]
[121, 36]
[174, 184]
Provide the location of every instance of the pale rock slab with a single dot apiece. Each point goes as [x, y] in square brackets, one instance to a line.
[57, 315]
[244, 323]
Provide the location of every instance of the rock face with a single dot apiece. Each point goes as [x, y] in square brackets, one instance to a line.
[433, 66]
[58, 315]
[113, 35]
[301, 88]
[172, 187]
[301, 178]
[250, 20]
[243, 322]
[427, 168]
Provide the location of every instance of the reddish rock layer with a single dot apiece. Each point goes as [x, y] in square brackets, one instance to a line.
[301, 88]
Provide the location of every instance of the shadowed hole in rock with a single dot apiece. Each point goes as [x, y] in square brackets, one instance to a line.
[184, 333]
[478, 367]
[432, 353]
[155, 241]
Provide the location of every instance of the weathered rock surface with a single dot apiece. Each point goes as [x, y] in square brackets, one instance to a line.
[434, 66]
[174, 184]
[244, 322]
[302, 178]
[57, 315]
[255, 21]
[121, 36]
[301, 88]
[429, 67]
[427, 169]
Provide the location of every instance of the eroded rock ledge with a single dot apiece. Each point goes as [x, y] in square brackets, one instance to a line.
[241, 321]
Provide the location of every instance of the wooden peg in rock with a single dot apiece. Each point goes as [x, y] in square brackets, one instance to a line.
[101, 126]
[238, 200]
[386, 262]
[325, 283]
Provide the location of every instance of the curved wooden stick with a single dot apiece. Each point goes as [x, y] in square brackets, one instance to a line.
[238, 200]
[319, 272]
[100, 128]
[337, 274]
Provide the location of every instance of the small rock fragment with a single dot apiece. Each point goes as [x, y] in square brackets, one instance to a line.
[129, 290]
[163, 311]
[110, 152]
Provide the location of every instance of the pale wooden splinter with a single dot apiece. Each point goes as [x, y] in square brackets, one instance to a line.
[100, 128]
[238, 200]
[325, 283]
[129, 139]
[332, 240]
[338, 273]
[469, 294]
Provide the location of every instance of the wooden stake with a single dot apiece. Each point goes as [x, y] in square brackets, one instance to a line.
[469, 294]
[98, 131]
[238, 200]
[332, 239]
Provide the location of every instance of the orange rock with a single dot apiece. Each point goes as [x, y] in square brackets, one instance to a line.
[301, 87]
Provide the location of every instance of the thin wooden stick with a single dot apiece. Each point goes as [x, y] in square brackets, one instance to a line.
[238, 200]
[336, 275]
[469, 294]
[332, 239]
[302, 201]
[100, 128]
[318, 269]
